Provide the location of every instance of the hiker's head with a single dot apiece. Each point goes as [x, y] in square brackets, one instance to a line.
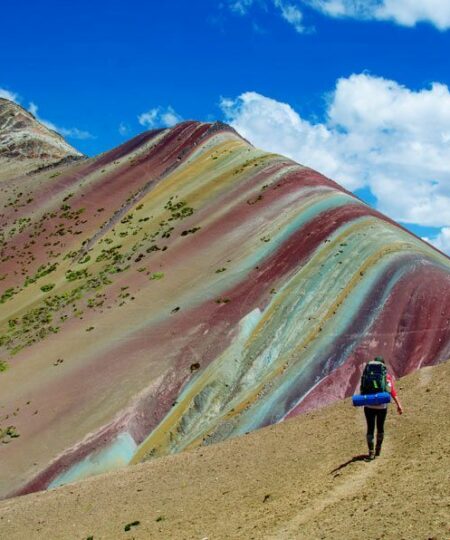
[379, 359]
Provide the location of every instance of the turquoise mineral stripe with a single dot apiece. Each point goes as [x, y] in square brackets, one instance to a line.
[118, 454]
[327, 199]
[243, 376]
[246, 371]
[273, 404]
[299, 314]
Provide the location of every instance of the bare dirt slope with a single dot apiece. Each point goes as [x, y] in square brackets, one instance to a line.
[293, 480]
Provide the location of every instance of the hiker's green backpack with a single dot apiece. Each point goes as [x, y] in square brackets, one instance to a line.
[373, 379]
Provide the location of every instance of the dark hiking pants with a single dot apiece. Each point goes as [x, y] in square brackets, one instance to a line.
[372, 416]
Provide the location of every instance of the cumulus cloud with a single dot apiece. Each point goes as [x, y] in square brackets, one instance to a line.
[402, 12]
[377, 134]
[70, 133]
[159, 116]
[442, 241]
[7, 94]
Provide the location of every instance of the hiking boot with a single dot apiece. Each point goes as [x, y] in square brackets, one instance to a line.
[377, 451]
[371, 455]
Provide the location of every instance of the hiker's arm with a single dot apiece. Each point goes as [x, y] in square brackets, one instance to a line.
[397, 402]
[394, 396]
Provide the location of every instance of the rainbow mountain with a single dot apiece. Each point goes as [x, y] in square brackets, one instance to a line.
[184, 288]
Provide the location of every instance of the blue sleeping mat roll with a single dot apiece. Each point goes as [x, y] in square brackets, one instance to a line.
[360, 400]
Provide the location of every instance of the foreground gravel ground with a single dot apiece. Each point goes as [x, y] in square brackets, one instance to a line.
[303, 479]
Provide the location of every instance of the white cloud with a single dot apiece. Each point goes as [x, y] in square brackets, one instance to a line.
[159, 116]
[291, 14]
[123, 129]
[71, 133]
[169, 117]
[276, 127]
[402, 12]
[289, 10]
[442, 240]
[74, 133]
[241, 6]
[360, 9]
[7, 94]
[149, 119]
[410, 12]
[377, 134]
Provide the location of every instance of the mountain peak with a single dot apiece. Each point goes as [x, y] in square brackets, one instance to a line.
[25, 143]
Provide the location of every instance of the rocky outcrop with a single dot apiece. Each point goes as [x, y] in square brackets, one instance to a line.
[25, 143]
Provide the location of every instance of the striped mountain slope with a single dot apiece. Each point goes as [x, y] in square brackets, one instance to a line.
[185, 288]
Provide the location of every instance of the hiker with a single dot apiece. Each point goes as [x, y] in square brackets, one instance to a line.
[375, 378]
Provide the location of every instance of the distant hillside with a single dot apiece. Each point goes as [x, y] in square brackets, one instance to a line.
[293, 481]
[185, 288]
[26, 144]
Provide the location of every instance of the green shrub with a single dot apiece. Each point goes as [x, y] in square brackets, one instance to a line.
[48, 287]
[132, 524]
[9, 293]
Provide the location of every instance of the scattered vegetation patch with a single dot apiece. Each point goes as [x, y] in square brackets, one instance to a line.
[3, 365]
[6, 295]
[85, 259]
[190, 231]
[37, 322]
[157, 275]
[111, 254]
[48, 287]
[73, 275]
[8, 434]
[42, 271]
[132, 524]
[178, 210]
[255, 200]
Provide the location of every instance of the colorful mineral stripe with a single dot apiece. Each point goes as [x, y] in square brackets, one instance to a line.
[187, 287]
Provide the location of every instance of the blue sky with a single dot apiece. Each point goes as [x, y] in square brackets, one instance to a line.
[358, 90]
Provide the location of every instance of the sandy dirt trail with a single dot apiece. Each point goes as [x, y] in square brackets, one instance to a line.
[302, 479]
